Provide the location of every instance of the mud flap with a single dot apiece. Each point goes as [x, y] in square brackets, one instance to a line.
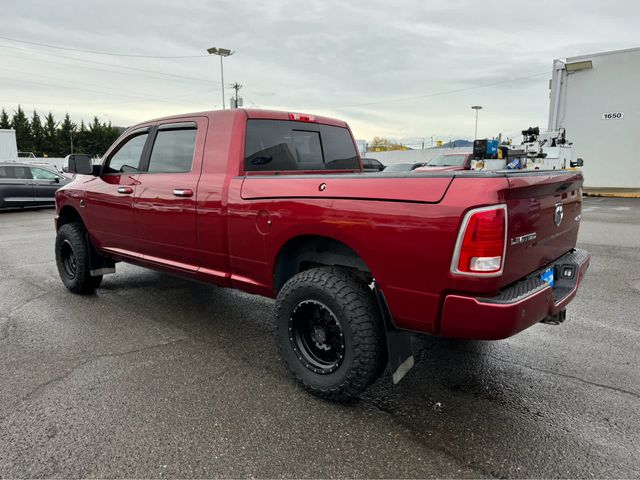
[399, 351]
[100, 265]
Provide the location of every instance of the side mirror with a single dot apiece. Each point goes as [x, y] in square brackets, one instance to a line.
[78, 163]
[578, 163]
[56, 179]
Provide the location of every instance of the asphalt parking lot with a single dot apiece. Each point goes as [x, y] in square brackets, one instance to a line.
[156, 376]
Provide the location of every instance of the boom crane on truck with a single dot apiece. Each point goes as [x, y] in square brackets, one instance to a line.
[549, 150]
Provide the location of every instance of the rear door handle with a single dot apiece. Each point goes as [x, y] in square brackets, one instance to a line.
[183, 192]
[125, 190]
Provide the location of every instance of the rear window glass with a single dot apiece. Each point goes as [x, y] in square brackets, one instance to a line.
[14, 172]
[275, 145]
[173, 151]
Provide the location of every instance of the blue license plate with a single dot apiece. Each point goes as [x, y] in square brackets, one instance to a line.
[547, 276]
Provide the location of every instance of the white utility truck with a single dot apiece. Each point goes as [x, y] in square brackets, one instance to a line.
[549, 150]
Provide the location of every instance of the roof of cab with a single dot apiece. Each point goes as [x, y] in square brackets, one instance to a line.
[250, 113]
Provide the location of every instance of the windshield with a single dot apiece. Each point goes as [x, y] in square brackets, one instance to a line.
[399, 167]
[448, 161]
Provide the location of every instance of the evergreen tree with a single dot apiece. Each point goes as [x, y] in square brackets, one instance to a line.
[37, 135]
[95, 137]
[67, 135]
[81, 141]
[51, 136]
[4, 120]
[53, 139]
[111, 135]
[20, 123]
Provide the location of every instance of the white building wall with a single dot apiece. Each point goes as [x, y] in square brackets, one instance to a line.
[8, 147]
[608, 147]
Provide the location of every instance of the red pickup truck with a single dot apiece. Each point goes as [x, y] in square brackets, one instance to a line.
[276, 204]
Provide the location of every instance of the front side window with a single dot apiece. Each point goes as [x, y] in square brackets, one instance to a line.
[276, 145]
[42, 174]
[173, 151]
[127, 157]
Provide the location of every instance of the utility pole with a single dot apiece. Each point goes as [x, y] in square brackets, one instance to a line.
[236, 86]
[422, 143]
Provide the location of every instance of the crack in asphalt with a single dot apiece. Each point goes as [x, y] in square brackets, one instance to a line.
[4, 327]
[427, 445]
[567, 375]
[25, 303]
[42, 386]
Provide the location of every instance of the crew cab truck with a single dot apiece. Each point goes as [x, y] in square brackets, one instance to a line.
[276, 204]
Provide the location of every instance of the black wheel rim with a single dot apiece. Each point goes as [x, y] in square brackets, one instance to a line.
[68, 259]
[316, 337]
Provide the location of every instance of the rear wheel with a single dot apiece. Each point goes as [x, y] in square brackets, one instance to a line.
[73, 261]
[329, 332]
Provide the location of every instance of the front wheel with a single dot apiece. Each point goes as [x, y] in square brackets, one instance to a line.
[329, 332]
[72, 259]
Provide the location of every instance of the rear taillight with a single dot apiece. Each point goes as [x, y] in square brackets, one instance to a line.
[301, 117]
[480, 248]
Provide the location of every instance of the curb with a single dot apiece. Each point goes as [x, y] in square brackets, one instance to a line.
[613, 194]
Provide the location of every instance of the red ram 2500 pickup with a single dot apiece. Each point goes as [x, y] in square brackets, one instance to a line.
[276, 204]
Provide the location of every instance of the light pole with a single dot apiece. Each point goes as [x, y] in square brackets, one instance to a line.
[477, 108]
[222, 52]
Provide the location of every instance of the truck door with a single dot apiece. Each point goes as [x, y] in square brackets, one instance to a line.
[165, 198]
[15, 186]
[109, 197]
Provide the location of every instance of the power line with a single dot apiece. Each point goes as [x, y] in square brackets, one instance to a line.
[97, 52]
[72, 86]
[445, 92]
[153, 72]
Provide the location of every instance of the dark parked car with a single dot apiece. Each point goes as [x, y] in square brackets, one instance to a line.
[404, 167]
[372, 165]
[25, 185]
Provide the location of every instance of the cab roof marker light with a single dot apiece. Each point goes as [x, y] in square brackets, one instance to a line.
[301, 117]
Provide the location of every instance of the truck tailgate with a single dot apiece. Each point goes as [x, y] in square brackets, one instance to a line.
[544, 211]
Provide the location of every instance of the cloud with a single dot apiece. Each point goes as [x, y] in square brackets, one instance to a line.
[407, 69]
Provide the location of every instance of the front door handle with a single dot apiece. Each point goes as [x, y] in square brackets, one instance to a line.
[183, 192]
[125, 190]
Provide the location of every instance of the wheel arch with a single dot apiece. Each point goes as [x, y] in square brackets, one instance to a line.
[309, 251]
[68, 214]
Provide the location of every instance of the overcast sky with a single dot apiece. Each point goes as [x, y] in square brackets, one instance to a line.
[404, 70]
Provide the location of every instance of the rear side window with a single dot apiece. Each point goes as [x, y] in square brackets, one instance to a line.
[276, 145]
[127, 158]
[14, 172]
[173, 151]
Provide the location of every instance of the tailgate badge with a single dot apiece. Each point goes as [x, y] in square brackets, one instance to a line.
[558, 215]
[523, 238]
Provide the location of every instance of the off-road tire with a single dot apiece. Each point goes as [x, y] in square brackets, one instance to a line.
[72, 240]
[352, 303]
